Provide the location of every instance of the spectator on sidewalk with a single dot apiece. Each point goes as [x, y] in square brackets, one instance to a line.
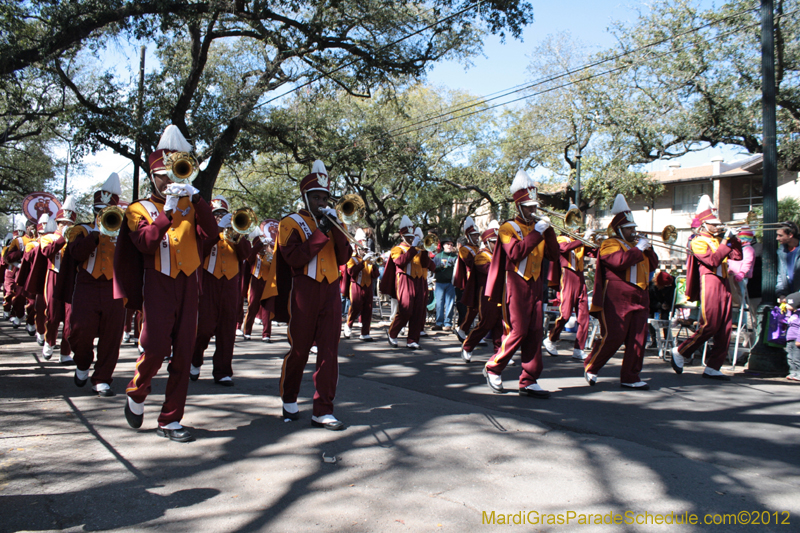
[445, 291]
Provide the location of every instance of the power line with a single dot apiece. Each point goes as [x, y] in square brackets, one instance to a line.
[508, 92]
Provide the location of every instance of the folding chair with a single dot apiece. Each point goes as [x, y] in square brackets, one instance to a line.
[746, 311]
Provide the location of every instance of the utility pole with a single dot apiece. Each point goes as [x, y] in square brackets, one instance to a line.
[66, 168]
[578, 181]
[764, 358]
[138, 147]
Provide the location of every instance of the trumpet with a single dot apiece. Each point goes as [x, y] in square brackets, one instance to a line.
[243, 222]
[109, 220]
[181, 167]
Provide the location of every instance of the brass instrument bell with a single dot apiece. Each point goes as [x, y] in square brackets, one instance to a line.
[182, 167]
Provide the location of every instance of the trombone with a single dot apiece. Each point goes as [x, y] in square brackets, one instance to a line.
[752, 219]
[571, 223]
[349, 209]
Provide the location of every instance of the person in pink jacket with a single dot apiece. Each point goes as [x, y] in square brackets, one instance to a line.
[741, 271]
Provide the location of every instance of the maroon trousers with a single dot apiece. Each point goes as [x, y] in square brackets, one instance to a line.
[216, 317]
[623, 320]
[716, 321]
[35, 309]
[315, 317]
[57, 311]
[469, 316]
[411, 299]
[360, 306]
[95, 313]
[573, 298]
[490, 318]
[263, 314]
[254, 304]
[523, 315]
[169, 325]
[135, 318]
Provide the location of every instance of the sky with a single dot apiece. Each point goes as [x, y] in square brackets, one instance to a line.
[502, 65]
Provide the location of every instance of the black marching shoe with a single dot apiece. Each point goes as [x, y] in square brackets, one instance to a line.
[194, 377]
[134, 420]
[333, 424]
[79, 382]
[722, 377]
[541, 394]
[224, 382]
[178, 435]
[105, 393]
[290, 416]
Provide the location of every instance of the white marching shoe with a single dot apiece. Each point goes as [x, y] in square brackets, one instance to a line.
[677, 361]
[47, 351]
[65, 359]
[466, 356]
[347, 331]
[550, 346]
[126, 337]
[578, 354]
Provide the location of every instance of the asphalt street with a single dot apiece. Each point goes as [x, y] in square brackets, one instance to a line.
[428, 447]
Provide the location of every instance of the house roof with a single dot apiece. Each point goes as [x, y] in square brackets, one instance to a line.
[742, 167]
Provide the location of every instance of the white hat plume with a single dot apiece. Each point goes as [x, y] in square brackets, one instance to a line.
[173, 139]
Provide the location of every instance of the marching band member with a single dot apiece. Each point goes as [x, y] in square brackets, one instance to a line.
[14, 299]
[29, 283]
[465, 263]
[517, 280]
[706, 281]
[158, 253]
[52, 247]
[95, 312]
[361, 275]
[621, 299]
[258, 274]
[572, 294]
[305, 289]
[490, 314]
[220, 294]
[406, 278]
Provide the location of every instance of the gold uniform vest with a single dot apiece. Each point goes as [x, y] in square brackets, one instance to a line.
[575, 257]
[53, 264]
[635, 275]
[530, 266]
[178, 249]
[364, 277]
[222, 260]
[101, 261]
[701, 245]
[322, 266]
[414, 269]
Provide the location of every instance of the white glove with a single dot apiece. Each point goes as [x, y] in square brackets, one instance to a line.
[729, 233]
[588, 235]
[542, 225]
[330, 212]
[225, 221]
[643, 244]
[416, 241]
[255, 234]
[172, 203]
[176, 189]
[369, 256]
